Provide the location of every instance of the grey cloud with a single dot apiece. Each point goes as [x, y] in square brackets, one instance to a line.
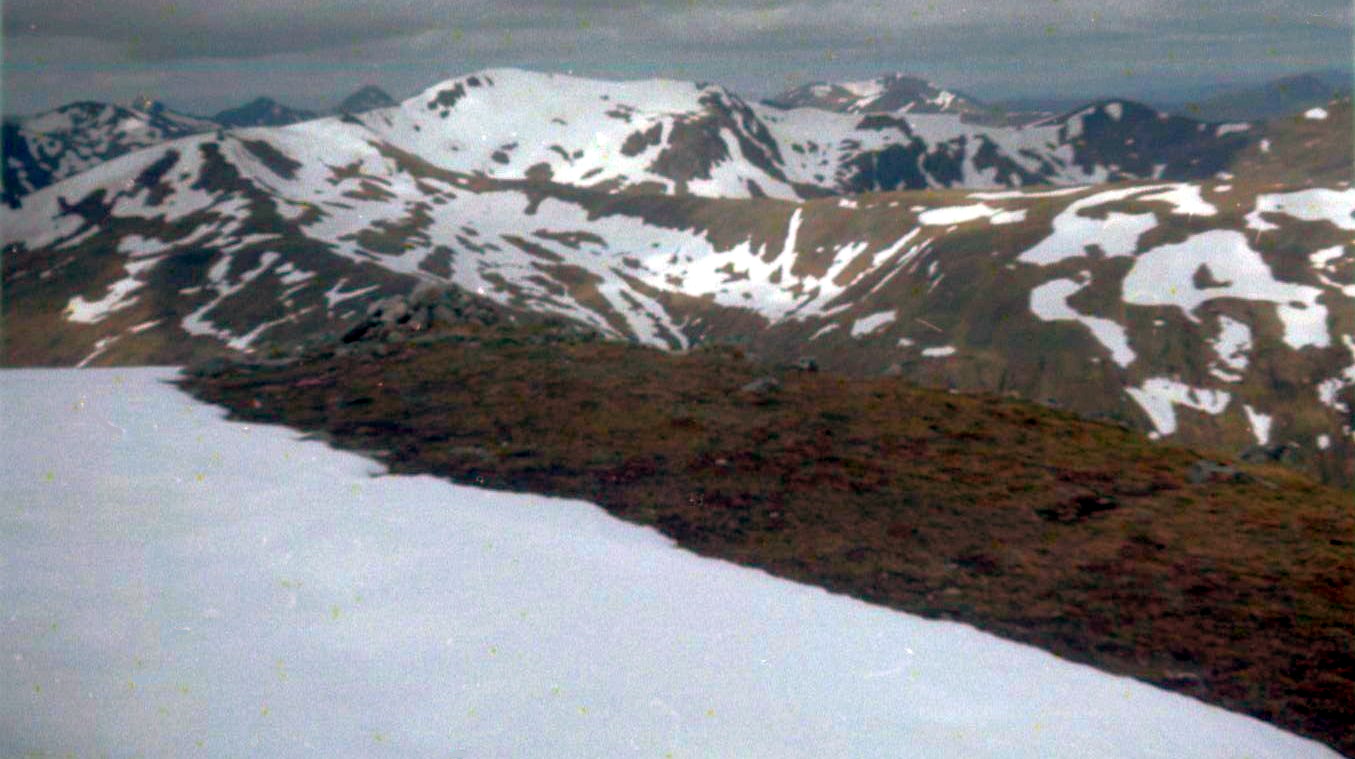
[169, 29]
[212, 53]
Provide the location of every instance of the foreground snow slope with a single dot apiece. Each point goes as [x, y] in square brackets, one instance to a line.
[173, 583]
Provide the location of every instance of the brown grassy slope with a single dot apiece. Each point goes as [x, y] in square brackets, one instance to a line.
[1303, 151]
[1082, 538]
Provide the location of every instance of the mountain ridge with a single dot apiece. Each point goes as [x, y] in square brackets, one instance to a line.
[269, 235]
[684, 137]
[894, 93]
[1275, 98]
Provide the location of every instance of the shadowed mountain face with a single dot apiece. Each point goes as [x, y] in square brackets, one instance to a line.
[261, 111]
[368, 98]
[1216, 312]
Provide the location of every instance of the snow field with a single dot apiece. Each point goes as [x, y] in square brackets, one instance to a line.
[189, 585]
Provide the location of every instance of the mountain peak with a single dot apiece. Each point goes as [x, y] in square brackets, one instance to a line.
[262, 111]
[366, 98]
[896, 92]
[146, 103]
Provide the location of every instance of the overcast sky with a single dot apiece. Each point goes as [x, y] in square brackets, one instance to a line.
[204, 55]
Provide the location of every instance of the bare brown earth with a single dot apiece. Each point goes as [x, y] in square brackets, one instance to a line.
[1082, 538]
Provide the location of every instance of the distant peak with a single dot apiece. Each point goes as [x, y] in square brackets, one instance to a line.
[261, 111]
[367, 97]
[144, 102]
[892, 92]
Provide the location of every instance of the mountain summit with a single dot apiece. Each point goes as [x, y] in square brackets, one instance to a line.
[262, 111]
[892, 93]
[368, 98]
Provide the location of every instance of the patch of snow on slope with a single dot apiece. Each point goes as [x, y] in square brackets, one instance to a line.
[1117, 234]
[1324, 263]
[1159, 396]
[185, 199]
[1076, 123]
[825, 329]
[956, 214]
[1316, 114]
[118, 296]
[290, 275]
[1008, 217]
[1020, 194]
[961, 214]
[872, 323]
[1164, 276]
[1231, 128]
[1330, 388]
[92, 230]
[1323, 258]
[728, 178]
[1187, 200]
[100, 345]
[939, 351]
[336, 294]
[867, 90]
[229, 589]
[1334, 206]
[1049, 302]
[1260, 424]
[1231, 345]
[196, 323]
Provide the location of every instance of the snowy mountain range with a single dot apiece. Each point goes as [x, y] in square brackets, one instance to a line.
[905, 134]
[51, 146]
[681, 138]
[1198, 305]
[66, 141]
